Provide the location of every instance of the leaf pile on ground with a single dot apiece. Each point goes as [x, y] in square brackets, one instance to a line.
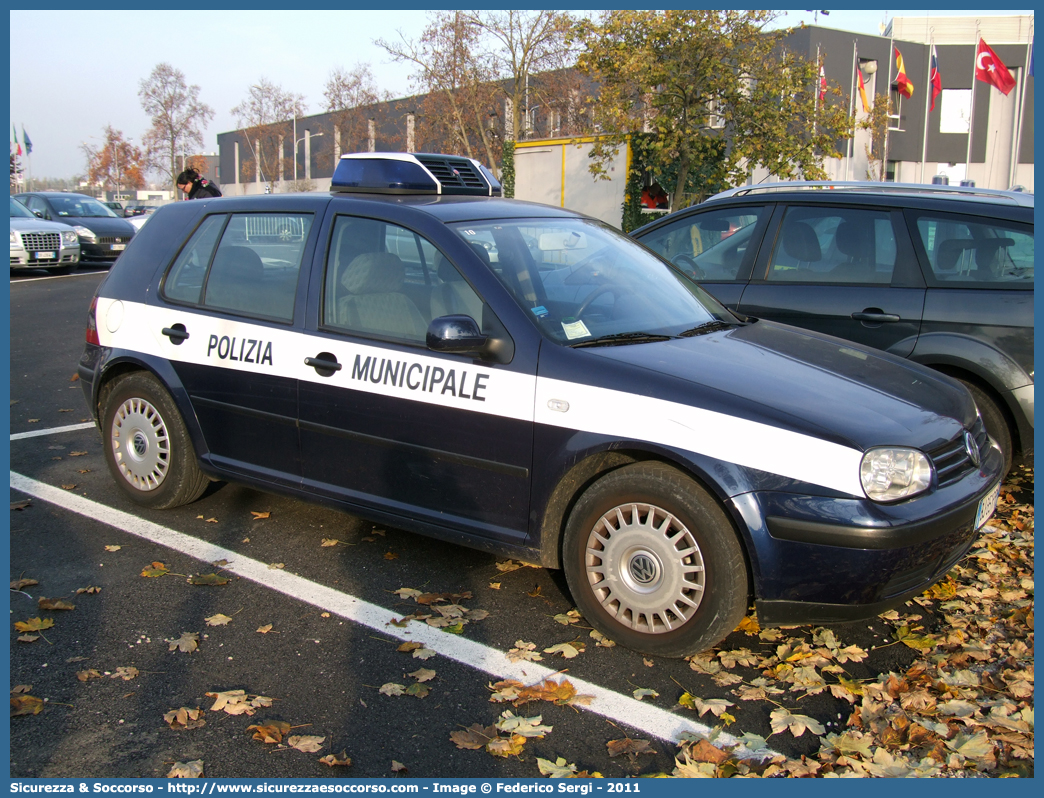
[447, 613]
[963, 707]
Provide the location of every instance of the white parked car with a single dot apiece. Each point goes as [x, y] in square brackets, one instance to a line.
[39, 244]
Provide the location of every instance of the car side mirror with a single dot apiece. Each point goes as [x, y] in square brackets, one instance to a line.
[38, 214]
[456, 334]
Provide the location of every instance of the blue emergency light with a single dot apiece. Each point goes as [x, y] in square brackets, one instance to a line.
[413, 173]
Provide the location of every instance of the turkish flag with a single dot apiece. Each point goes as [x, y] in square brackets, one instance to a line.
[990, 69]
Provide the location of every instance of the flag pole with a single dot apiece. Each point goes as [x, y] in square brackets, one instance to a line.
[888, 105]
[1022, 109]
[971, 116]
[855, 59]
[927, 96]
[819, 71]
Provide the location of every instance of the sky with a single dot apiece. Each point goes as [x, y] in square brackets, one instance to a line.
[88, 75]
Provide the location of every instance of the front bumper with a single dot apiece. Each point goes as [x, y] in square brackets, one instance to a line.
[823, 560]
[29, 259]
[104, 250]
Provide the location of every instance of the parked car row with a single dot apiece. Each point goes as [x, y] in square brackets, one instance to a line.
[102, 235]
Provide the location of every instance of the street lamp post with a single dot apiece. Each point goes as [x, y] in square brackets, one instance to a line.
[298, 141]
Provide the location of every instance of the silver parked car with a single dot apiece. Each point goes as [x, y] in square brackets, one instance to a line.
[39, 244]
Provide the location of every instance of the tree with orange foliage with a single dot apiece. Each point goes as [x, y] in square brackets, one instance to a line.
[117, 164]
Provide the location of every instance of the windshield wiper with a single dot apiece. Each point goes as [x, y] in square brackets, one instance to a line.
[707, 327]
[620, 339]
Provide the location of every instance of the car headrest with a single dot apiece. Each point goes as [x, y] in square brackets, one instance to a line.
[801, 243]
[853, 239]
[374, 273]
[240, 264]
[949, 252]
[986, 251]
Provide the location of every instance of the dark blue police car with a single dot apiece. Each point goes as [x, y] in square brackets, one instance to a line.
[416, 350]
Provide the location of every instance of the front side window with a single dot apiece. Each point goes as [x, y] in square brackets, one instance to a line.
[385, 281]
[834, 245]
[580, 280]
[710, 246]
[253, 270]
[976, 252]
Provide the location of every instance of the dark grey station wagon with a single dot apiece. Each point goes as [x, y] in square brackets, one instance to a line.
[941, 276]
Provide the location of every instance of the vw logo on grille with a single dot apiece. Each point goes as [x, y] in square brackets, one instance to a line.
[643, 569]
[972, 449]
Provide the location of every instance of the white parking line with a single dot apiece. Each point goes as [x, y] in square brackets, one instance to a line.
[36, 433]
[54, 277]
[618, 707]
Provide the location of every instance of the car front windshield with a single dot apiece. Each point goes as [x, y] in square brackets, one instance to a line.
[19, 211]
[584, 283]
[80, 207]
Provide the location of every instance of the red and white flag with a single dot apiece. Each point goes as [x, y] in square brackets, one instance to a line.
[822, 83]
[990, 69]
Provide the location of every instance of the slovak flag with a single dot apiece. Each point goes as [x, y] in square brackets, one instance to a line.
[822, 83]
[934, 78]
[906, 88]
[990, 69]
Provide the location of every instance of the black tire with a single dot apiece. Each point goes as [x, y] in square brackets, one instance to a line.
[147, 447]
[995, 420]
[59, 269]
[655, 616]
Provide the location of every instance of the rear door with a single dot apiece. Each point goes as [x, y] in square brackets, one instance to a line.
[845, 271]
[225, 317]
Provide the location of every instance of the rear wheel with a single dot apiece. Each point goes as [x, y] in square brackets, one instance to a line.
[995, 420]
[147, 447]
[653, 562]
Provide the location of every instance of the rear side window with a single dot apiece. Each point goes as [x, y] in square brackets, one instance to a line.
[834, 245]
[252, 271]
[708, 246]
[976, 252]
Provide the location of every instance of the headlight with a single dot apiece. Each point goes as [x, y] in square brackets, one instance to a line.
[84, 233]
[15, 240]
[892, 473]
[70, 237]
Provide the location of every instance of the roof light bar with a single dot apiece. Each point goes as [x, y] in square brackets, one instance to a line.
[413, 173]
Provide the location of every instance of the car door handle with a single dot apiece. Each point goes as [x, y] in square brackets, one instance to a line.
[875, 315]
[176, 334]
[328, 363]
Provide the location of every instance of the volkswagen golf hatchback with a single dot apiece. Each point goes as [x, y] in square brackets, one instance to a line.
[415, 350]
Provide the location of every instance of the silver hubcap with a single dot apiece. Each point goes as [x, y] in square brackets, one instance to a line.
[140, 445]
[645, 568]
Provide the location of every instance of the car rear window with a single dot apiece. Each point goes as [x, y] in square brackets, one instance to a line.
[977, 253]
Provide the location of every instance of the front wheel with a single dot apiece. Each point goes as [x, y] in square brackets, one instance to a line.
[147, 447]
[653, 562]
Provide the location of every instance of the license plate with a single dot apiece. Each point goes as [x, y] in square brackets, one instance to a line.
[46, 255]
[986, 506]
[119, 247]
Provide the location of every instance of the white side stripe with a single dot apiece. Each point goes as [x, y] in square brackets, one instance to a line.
[616, 706]
[245, 346]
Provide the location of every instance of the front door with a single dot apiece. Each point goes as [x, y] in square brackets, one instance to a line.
[385, 422]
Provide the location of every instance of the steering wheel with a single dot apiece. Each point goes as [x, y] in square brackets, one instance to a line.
[689, 266]
[602, 289]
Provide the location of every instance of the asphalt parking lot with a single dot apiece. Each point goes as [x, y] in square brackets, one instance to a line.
[296, 606]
